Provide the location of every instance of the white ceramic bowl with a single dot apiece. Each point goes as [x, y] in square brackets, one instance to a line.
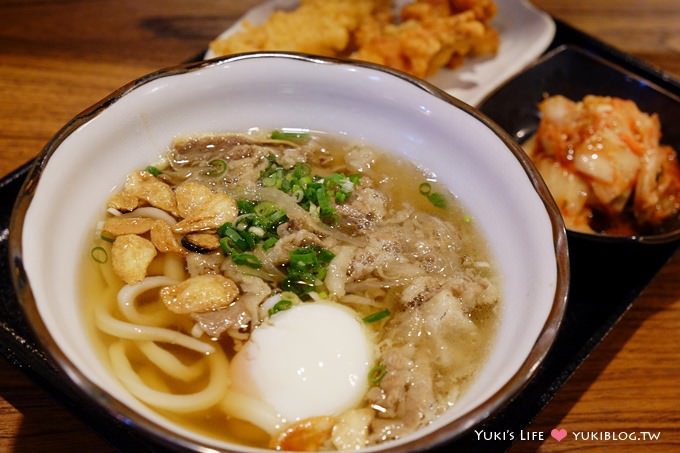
[481, 165]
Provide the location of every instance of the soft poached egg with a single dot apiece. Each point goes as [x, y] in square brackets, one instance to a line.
[310, 360]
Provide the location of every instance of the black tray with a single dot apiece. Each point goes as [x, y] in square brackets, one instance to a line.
[605, 281]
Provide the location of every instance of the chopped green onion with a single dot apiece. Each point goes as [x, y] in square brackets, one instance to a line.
[226, 246]
[377, 316]
[246, 259]
[306, 269]
[257, 223]
[311, 191]
[270, 242]
[222, 230]
[240, 240]
[106, 238]
[376, 374]
[302, 258]
[277, 217]
[257, 231]
[245, 206]
[300, 170]
[217, 168]
[265, 208]
[153, 170]
[298, 194]
[281, 305]
[250, 238]
[270, 181]
[99, 255]
[324, 255]
[326, 209]
[437, 200]
[290, 136]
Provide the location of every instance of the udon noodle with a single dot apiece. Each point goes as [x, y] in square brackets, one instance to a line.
[229, 239]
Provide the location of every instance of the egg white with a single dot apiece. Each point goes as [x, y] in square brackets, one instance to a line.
[310, 360]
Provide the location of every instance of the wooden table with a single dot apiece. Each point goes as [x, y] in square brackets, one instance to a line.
[58, 57]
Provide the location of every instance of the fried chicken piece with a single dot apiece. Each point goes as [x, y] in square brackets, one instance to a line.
[322, 27]
[484, 10]
[408, 47]
[432, 34]
[429, 35]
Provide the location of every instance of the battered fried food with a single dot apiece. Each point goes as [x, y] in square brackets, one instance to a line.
[321, 27]
[427, 35]
[432, 34]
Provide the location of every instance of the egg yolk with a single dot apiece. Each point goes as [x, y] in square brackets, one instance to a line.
[310, 360]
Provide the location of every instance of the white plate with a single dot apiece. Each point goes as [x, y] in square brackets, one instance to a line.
[525, 32]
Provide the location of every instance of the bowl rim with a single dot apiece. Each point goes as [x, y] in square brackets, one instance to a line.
[163, 436]
[565, 49]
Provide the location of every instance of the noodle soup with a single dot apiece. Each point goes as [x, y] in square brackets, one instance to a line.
[290, 290]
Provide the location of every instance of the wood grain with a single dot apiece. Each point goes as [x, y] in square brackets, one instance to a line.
[59, 57]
